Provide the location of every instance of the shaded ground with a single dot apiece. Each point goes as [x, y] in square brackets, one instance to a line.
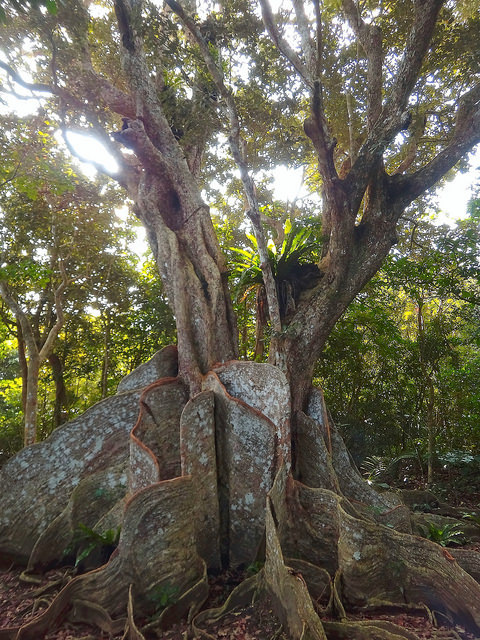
[21, 600]
[458, 485]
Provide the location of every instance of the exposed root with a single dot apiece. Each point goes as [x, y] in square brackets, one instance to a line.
[26, 577]
[337, 605]
[132, 632]
[240, 597]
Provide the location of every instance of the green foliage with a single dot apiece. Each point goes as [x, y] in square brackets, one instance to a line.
[292, 264]
[23, 6]
[87, 540]
[443, 535]
[373, 467]
[296, 249]
[115, 314]
[162, 596]
[472, 517]
[414, 328]
[255, 567]
[11, 423]
[294, 270]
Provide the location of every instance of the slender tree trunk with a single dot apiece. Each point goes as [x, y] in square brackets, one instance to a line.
[31, 405]
[431, 424]
[60, 389]
[430, 395]
[22, 359]
[106, 356]
[36, 354]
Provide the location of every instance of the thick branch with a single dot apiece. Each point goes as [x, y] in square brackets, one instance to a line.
[405, 188]
[319, 36]
[308, 45]
[416, 48]
[317, 129]
[394, 116]
[147, 106]
[118, 101]
[106, 93]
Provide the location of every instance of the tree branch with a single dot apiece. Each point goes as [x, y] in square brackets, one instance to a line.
[34, 87]
[47, 346]
[319, 35]
[12, 177]
[394, 116]
[147, 106]
[115, 99]
[14, 306]
[308, 45]
[283, 46]
[370, 37]
[405, 188]
[416, 48]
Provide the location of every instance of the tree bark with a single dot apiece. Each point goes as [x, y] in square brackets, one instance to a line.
[22, 359]
[194, 274]
[60, 389]
[106, 356]
[31, 404]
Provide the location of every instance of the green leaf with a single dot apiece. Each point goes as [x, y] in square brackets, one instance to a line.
[52, 7]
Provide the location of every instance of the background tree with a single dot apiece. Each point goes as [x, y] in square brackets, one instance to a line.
[410, 335]
[52, 223]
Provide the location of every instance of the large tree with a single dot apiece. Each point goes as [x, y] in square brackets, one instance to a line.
[379, 101]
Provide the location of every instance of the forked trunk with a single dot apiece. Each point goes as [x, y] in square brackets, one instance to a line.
[195, 278]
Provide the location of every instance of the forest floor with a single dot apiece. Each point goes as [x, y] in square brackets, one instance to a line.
[21, 601]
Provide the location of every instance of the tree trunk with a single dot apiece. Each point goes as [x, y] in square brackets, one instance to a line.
[22, 359]
[195, 278]
[106, 356]
[431, 430]
[296, 350]
[31, 404]
[60, 389]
